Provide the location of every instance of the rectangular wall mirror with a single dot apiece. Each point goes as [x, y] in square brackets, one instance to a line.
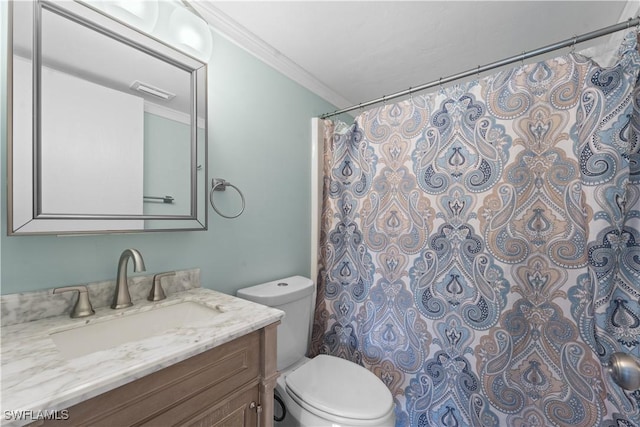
[107, 126]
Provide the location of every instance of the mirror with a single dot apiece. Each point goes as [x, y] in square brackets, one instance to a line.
[108, 126]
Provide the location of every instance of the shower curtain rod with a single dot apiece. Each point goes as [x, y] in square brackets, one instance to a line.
[480, 69]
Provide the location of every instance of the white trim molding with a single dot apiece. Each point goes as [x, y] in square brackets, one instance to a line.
[317, 180]
[224, 25]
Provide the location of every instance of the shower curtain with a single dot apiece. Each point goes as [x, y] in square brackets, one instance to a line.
[479, 247]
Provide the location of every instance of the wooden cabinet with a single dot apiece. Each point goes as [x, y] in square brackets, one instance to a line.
[230, 385]
[237, 410]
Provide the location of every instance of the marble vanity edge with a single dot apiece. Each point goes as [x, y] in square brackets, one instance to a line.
[30, 306]
[42, 380]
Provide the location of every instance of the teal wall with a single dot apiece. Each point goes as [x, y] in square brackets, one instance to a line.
[259, 139]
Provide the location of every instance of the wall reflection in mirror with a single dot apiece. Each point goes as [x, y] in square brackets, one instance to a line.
[109, 126]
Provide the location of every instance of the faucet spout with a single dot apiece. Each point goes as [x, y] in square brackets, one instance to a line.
[122, 297]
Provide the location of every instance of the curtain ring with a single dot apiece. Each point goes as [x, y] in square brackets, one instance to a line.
[478, 73]
[410, 95]
[575, 40]
[440, 83]
[384, 100]
[326, 116]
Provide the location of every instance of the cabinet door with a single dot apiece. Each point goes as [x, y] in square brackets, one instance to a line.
[237, 410]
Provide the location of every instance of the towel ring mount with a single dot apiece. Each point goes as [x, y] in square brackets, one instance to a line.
[219, 184]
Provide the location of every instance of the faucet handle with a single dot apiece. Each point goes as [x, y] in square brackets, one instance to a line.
[83, 306]
[157, 293]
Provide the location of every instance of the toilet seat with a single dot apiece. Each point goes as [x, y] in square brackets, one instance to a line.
[340, 390]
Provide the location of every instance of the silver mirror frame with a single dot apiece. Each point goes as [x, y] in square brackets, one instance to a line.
[93, 18]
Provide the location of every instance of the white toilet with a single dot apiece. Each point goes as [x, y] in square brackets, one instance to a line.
[326, 390]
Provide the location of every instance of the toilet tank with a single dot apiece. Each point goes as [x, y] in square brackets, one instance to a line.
[295, 296]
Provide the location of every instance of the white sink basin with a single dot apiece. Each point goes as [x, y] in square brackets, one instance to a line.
[111, 333]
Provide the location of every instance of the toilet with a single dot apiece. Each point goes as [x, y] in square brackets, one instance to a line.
[323, 391]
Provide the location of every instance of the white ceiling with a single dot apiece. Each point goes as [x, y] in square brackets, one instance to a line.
[350, 52]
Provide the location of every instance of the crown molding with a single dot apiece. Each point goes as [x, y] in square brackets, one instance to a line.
[224, 25]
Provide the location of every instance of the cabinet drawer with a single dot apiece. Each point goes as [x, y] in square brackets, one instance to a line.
[211, 410]
[216, 372]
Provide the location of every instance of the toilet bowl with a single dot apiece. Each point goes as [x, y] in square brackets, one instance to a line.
[323, 391]
[329, 391]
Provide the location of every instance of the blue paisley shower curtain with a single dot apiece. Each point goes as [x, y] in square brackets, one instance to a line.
[480, 246]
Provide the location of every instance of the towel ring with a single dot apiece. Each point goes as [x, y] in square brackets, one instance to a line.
[219, 184]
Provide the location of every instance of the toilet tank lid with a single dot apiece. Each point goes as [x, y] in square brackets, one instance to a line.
[278, 292]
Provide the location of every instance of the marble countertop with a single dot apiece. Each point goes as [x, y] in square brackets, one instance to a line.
[36, 377]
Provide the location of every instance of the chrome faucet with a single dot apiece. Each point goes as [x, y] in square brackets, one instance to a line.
[157, 293]
[83, 307]
[122, 298]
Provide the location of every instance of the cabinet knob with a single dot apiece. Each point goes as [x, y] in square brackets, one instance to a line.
[258, 408]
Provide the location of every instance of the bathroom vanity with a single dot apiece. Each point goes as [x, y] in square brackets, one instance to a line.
[228, 385]
[130, 104]
[216, 368]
